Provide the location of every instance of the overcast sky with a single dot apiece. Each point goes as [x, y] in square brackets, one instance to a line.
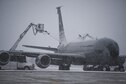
[99, 18]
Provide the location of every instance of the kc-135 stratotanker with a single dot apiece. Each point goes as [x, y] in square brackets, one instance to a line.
[102, 53]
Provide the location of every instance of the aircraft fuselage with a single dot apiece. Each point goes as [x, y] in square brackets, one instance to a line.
[102, 51]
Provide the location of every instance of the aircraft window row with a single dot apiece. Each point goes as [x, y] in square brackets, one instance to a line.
[87, 46]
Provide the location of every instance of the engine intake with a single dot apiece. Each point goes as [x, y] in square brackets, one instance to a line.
[43, 61]
[4, 58]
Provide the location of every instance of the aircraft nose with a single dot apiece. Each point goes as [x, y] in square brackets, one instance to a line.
[113, 49]
[110, 45]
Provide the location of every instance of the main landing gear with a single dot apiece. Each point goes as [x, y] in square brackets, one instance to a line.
[64, 67]
[65, 63]
[96, 68]
[119, 68]
[103, 68]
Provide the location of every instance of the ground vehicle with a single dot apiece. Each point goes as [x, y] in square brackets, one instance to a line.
[18, 63]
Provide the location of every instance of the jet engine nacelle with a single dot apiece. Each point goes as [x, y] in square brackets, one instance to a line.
[4, 58]
[43, 61]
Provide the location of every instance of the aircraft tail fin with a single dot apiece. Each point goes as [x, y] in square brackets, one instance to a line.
[62, 37]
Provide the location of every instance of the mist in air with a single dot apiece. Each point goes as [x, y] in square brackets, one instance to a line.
[99, 18]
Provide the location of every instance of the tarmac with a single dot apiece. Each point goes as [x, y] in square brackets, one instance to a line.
[61, 77]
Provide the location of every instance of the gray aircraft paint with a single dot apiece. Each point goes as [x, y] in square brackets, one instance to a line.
[102, 47]
[100, 51]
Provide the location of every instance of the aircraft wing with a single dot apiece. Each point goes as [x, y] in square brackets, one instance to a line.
[50, 54]
[36, 54]
[44, 48]
[55, 57]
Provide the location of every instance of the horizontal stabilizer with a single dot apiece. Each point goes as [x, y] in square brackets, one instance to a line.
[44, 48]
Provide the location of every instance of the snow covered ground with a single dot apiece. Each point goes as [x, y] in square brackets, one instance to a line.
[55, 68]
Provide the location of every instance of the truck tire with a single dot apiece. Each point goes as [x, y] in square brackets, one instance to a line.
[26, 68]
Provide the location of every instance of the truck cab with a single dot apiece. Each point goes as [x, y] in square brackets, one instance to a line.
[18, 63]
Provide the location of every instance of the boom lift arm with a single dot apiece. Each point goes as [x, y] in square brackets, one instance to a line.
[38, 28]
[85, 36]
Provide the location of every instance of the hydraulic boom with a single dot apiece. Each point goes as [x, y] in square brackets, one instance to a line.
[38, 28]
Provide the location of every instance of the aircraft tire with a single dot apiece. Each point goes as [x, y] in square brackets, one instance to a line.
[100, 68]
[121, 68]
[106, 68]
[86, 68]
[26, 68]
